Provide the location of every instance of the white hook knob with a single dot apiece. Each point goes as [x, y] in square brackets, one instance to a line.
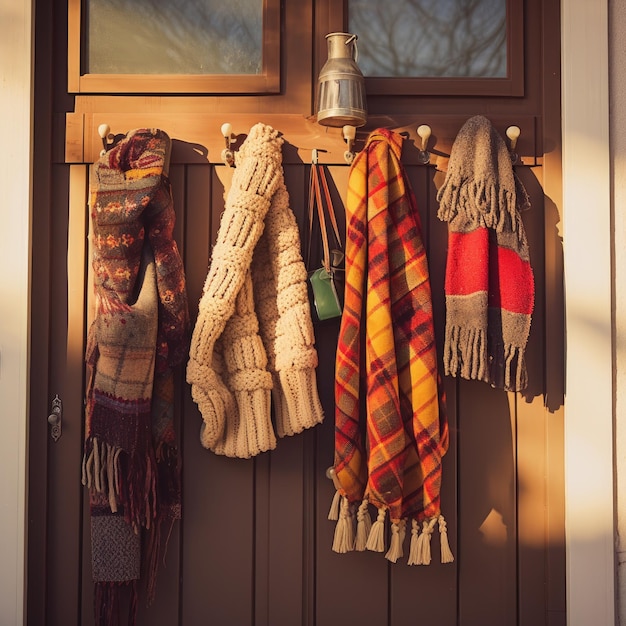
[104, 130]
[424, 132]
[513, 133]
[227, 131]
[349, 135]
[349, 132]
[227, 155]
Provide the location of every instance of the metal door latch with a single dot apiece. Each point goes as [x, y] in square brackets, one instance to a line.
[55, 418]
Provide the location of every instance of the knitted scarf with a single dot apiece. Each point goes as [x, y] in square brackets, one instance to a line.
[253, 341]
[390, 425]
[139, 333]
[489, 280]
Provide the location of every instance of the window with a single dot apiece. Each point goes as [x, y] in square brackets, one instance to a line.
[182, 46]
[439, 47]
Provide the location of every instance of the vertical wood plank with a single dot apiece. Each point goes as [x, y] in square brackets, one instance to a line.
[552, 186]
[165, 608]
[65, 455]
[281, 501]
[532, 428]
[353, 587]
[218, 522]
[436, 580]
[487, 527]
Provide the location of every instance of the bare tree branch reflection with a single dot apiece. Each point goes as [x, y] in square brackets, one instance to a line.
[175, 37]
[430, 37]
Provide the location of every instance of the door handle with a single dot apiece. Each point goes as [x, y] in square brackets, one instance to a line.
[55, 419]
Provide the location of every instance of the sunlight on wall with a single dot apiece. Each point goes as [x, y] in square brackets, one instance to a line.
[589, 480]
[15, 130]
[618, 145]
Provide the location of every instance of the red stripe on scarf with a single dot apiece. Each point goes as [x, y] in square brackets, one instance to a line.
[476, 263]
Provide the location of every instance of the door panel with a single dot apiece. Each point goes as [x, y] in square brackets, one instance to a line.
[254, 544]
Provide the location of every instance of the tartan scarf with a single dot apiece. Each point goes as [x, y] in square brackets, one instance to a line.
[390, 426]
[489, 281]
[139, 334]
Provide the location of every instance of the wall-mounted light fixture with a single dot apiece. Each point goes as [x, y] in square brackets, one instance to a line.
[341, 93]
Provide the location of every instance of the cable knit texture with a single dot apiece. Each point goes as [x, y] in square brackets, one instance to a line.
[253, 341]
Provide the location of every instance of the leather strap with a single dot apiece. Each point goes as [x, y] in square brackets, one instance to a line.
[318, 185]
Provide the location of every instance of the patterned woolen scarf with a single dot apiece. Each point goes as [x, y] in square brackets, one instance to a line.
[139, 333]
[390, 430]
[489, 280]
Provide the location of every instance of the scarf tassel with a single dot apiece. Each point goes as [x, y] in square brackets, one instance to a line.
[420, 549]
[363, 526]
[398, 532]
[414, 548]
[343, 540]
[376, 538]
[446, 552]
[333, 514]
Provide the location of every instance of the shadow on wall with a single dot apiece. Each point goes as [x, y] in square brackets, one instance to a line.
[546, 347]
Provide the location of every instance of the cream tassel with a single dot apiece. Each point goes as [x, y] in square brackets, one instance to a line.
[363, 526]
[446, 553]
[427, 531]
[415, 543]
[343, 540]
[333, 514]
[376, 538]
[395, 547]
[402, 535]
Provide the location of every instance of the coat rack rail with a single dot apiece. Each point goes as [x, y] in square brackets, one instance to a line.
[197, 140]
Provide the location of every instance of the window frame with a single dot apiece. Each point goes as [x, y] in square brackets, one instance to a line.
[510, 85]
[266, 82]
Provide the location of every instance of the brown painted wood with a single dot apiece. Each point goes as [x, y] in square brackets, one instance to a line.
[42, 283]
[254, 544]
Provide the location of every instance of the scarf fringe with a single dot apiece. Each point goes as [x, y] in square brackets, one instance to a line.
[515, 373]
[333, 513]
[395, 551]
[107, 601]
[376, 538]
[465, 354]
[372, 536]
[343, 540]
[482, 203]
[127, 480]
[363, 526]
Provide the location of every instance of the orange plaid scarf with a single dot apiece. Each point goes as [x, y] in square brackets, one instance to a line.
[390, 430]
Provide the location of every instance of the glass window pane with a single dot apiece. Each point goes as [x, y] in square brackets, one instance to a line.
[174, 36]
[430, 38]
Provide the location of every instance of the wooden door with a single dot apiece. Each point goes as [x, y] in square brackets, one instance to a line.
[254, 543]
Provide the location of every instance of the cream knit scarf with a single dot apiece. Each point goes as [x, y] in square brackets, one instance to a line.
[253, 340]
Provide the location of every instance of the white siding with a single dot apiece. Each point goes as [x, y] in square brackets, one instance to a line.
[589, 358]
[15, 179]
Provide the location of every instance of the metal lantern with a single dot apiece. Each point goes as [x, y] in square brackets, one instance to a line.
[341, 98]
